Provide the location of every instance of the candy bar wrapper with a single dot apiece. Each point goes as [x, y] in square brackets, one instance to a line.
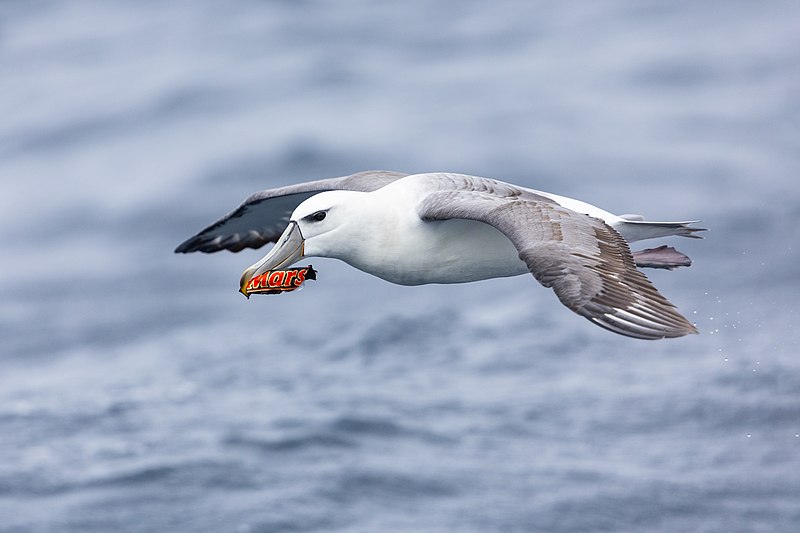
[278, 281]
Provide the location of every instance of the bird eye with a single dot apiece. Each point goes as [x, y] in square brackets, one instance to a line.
[319, 216]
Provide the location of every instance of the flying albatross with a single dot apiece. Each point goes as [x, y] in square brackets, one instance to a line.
[453, 228]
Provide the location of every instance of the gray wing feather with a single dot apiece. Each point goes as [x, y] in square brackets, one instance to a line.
[263, 216]
[585, 261]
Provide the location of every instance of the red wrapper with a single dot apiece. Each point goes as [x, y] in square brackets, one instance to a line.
[278, 281]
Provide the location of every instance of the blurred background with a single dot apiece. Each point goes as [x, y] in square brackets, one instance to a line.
[140, 392]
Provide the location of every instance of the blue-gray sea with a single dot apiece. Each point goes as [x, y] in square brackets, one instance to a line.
[140, 392]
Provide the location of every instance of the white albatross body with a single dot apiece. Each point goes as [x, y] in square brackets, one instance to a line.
[453, 228]
[382, 235]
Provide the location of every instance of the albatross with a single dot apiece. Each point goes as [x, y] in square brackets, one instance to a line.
[454, 228]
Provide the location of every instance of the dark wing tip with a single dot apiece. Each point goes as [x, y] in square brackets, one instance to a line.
[210, 243]
[199, 243]
[189, 245]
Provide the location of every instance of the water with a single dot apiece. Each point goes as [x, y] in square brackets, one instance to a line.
[140, 392]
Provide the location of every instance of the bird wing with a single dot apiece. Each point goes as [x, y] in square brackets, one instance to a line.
[263, 216]
[585, 261]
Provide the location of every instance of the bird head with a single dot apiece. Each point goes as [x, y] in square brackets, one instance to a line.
[314, 230]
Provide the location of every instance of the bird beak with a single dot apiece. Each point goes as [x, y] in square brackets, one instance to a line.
[288, 250]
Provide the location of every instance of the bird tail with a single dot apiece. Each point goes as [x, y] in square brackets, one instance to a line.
[635, 228]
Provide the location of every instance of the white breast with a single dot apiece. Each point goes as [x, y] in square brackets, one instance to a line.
[394, 244]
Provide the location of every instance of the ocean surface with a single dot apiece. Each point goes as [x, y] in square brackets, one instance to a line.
[140, 392]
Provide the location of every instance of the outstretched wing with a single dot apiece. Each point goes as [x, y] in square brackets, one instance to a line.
[263, 216]
[585, 261]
